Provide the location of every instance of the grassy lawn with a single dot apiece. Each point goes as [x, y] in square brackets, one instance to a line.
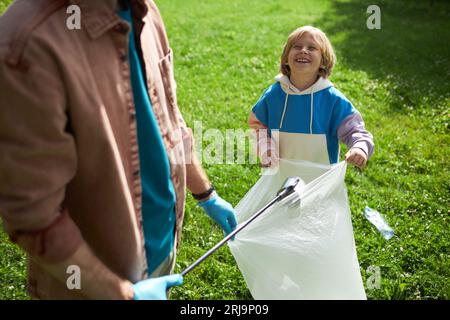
[227, 53]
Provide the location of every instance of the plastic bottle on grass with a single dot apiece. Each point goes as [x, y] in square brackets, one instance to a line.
[378, 221]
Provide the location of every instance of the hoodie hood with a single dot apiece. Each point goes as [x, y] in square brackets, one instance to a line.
[289, 88]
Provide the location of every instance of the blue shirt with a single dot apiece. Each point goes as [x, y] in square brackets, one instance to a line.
[331, 107]
[158, 194]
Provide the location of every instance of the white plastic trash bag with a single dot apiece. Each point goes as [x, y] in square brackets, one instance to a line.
[302, 250]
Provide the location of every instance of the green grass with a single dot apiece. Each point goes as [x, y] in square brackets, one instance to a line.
[226, 54]
[4, 4]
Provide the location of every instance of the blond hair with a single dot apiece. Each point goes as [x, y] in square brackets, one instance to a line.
[326, 49]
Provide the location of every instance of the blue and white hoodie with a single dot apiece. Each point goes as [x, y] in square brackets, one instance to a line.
[308, 125]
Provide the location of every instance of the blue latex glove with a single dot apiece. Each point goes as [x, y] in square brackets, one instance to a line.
[221, 212]
[155, 288]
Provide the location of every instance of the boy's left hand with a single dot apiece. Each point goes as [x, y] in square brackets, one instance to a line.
[356, 157]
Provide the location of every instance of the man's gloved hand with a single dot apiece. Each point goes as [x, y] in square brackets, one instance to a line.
[155, 288]
[221, 212]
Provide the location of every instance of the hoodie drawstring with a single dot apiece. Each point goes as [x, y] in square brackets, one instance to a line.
[284, 109]
[312, 109]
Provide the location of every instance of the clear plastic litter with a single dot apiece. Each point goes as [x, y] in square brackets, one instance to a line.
[303, 246]
[378, 221]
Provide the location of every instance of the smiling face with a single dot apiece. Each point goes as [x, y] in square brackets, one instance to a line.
[305, 57]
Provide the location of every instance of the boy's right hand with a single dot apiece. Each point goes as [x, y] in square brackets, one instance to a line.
[269, 159]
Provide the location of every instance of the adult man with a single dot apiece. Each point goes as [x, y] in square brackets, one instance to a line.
[94, 153]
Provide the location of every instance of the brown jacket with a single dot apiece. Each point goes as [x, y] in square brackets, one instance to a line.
[69, 163]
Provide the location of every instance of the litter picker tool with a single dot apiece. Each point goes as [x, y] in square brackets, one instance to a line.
[287, 189]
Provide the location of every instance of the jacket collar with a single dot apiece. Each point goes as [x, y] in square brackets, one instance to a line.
[98, 16]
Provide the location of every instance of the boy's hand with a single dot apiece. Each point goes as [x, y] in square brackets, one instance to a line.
[356, 157]
[269, 159]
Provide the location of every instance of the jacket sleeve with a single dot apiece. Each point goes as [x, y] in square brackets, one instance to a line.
[265, 145]
[259, 121]
[354, 134]
[348, 125]
[37, 161]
